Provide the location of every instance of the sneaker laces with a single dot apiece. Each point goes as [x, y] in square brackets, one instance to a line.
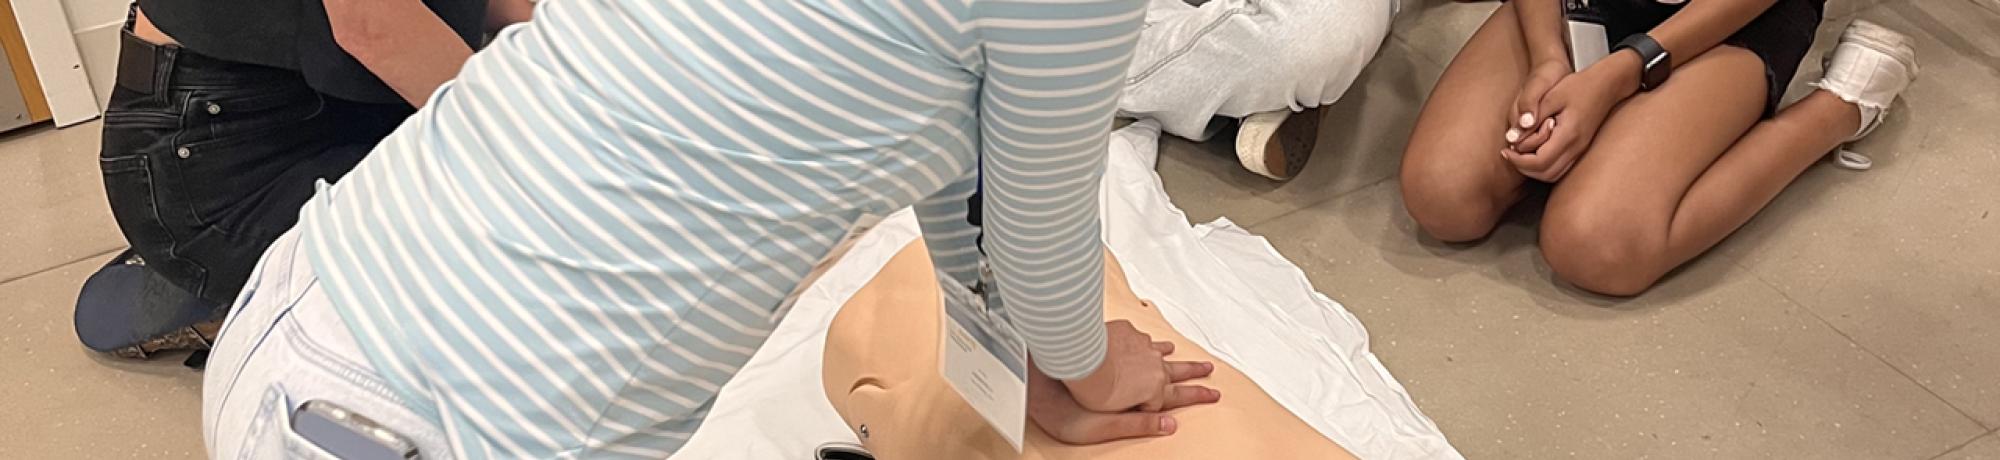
[1852, 160]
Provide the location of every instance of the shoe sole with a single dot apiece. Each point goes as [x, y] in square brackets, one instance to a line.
[1284, 150]
[1294, 142]
[106, 320]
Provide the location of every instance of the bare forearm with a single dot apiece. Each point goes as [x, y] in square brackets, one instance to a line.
[503, 13]
[1704, 24]
[1542, 29]
[400, 41]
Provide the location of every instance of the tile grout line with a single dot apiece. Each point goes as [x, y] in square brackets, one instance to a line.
[1962, 445]
[1335, 196]
[1397, 38]
[60, 265]
[1871, 352]
[1419, 53]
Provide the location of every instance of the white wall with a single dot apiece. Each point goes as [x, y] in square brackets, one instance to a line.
[95, 24]
[58, 65]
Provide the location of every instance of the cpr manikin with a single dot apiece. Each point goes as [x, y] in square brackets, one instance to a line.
[881, 372]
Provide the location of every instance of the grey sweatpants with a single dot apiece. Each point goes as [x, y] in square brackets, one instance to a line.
[1233, 58]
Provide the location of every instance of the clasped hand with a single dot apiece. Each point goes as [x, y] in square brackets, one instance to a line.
[1558, 113]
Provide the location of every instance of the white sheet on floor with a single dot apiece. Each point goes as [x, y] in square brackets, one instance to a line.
[1222, 287]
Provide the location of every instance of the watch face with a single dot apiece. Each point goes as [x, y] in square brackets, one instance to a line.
[1656, 71]
[1657, 61]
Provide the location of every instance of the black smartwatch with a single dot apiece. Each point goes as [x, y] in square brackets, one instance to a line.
[1656, 66]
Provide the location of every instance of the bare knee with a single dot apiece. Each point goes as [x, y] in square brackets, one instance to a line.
[1601, 252]
[1449, 202]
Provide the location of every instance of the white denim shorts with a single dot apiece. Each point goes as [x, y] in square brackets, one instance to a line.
[282, 346]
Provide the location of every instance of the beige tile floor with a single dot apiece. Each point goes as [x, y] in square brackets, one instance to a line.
[1858, 317]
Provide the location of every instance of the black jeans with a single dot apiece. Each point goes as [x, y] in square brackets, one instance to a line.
[207, 161]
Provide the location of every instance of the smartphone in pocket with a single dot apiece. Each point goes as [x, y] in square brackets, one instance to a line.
[348, 435]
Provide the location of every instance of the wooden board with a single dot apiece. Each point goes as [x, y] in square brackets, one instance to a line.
[24, 69]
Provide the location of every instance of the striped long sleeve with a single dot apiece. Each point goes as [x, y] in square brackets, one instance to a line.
[583, 236]
[1053, 74]
[951, 238]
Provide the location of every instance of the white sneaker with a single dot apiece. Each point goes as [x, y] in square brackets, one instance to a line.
[1868, 68]
[1276, 144]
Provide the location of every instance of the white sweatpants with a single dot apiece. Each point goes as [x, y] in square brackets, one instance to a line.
[1233, 58]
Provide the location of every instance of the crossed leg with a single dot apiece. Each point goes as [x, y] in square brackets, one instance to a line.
[1455, 184]
[1676, 170]
[1671, 173]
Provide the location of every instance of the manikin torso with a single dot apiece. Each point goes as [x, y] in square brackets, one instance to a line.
[881, 371]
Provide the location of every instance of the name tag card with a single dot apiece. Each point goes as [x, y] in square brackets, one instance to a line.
[985, 362]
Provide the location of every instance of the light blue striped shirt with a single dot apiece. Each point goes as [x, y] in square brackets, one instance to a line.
[574, 245]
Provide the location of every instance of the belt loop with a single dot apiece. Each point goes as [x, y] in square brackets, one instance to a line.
[138, 65]
[162, 61]
[164, 57]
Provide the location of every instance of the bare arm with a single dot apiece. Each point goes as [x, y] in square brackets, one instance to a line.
[1688, 33]
[1542, 28]
[503, 13]
[1702, 25]
[1581, 102]
[400, 41]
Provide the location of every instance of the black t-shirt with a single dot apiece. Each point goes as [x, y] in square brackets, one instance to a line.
[293, 34]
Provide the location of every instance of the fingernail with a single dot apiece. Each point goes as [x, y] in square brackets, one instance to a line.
[1167, 425]
[1513, 135]
[1528, 120]
[1550, 123]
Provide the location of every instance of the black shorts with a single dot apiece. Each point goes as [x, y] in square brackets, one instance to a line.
[1781, 36]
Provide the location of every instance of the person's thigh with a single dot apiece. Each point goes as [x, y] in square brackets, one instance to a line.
[247, 182]
[1310, 52]
[1455, 183]
[1606, 227]
[140, 132]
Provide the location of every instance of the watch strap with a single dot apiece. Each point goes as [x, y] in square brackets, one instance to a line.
[1654, 63]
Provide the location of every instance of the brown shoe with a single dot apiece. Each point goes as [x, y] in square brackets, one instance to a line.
[1277, 144]
[129, 311]
[198, 337]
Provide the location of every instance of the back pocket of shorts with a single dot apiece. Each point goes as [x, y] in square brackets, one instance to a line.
[271, 435]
